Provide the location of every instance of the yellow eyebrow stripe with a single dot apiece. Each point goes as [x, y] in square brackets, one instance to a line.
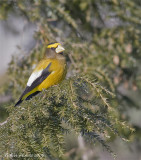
[54, 45]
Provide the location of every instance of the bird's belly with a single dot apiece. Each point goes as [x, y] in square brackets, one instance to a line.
[54, 78]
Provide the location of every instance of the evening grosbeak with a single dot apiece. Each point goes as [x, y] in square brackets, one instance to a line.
[50, 71]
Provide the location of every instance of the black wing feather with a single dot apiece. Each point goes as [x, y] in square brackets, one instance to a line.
[38, 81]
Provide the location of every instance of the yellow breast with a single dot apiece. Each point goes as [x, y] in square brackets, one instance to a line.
[58, 72]
[57, 69]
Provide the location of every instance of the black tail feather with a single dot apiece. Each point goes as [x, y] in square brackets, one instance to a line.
[20, 101]
[33, 94]
[29, 97]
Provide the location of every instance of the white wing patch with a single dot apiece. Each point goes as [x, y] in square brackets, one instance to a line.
[33, 77]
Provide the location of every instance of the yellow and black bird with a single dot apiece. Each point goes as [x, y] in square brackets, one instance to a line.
[50, 71]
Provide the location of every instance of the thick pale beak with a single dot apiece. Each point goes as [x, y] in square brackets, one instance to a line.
[59, 49]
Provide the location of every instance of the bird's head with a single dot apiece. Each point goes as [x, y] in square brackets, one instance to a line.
[57, 47]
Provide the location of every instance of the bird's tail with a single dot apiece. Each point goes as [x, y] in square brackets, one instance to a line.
[20, 101]
[27, 98]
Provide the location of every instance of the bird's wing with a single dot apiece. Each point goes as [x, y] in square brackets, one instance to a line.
[36, 78]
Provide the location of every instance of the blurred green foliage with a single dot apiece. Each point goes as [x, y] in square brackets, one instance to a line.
[102, 41]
